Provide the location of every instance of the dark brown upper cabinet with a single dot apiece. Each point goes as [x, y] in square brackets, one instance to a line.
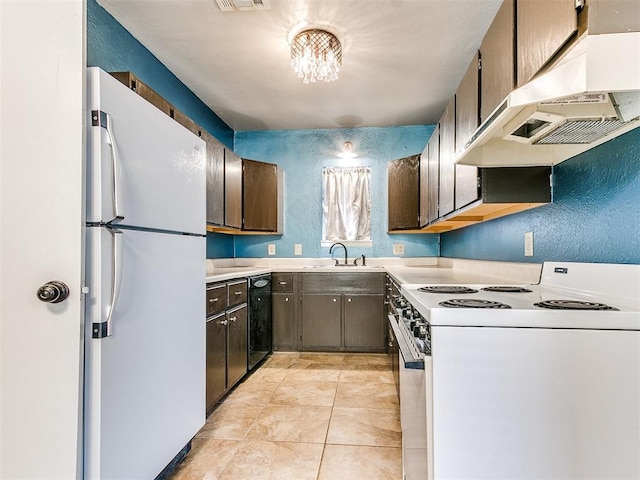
[259, 196]
[497, 60]
[404, 193]
[542, 28]
[467, 121]
[215, 180]
[232, 190]
[434, 175]
[447, 150]
[423, 209]
[252, 196]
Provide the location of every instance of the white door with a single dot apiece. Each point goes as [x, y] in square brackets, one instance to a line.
[41, 230]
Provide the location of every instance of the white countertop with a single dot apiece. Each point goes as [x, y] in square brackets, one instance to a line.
[429, 270]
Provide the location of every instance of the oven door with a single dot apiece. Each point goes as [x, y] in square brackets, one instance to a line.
[414, 385]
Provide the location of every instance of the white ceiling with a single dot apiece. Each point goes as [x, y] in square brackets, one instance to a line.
[402, 59]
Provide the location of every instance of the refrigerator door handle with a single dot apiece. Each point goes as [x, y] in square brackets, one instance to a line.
[104, 329]
[104, 120]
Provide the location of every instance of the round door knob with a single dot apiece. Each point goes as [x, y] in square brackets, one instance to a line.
[53, 292]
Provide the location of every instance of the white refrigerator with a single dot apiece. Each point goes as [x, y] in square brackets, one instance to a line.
[144, 386]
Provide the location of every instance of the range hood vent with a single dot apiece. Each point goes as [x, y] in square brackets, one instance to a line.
[580, 131]
[243, 5]
[589, 97]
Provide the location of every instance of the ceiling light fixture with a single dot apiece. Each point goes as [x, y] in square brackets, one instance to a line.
[316, 55]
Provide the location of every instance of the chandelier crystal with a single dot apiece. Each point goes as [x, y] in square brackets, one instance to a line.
[316, 55]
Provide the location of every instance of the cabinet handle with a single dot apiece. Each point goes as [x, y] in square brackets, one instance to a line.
[238, 293]
[391, 344]
[232, 319]
[335, 300]
[212, 300]
[283, 283]
[349, 300]
[222, 322]
[286, 299]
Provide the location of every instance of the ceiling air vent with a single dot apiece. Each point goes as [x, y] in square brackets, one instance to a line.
[243, 5]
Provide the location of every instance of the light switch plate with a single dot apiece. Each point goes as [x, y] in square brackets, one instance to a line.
[271, 248]
[398, 248]
[297, 249]
[528, 244]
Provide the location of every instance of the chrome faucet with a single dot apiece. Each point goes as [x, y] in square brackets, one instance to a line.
[345, 251]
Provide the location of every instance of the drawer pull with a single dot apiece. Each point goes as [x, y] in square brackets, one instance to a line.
[237, 293]
[212, 300]
[283, 283]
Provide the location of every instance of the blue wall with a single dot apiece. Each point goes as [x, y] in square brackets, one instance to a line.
[111, 47]
[594, 218]
[114, 49]
[595, 215]
[302, 154]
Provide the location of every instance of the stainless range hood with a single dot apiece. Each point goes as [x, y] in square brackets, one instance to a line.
[589, 97]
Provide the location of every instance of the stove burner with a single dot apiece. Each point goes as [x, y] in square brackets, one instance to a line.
[506, 289]
[472, 303]
[447, 289]
[573, 305]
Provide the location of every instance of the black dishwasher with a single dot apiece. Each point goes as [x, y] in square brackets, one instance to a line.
[260, 321]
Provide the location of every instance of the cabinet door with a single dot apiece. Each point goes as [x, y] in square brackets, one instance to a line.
[321, 321]
[434, 174]
[404, 193]
[237, 348]
[467, 121]
[284, 336]
[364, 325]
[216, 358]
[424, 187]
[543, 26]
[232, 190]
[496, 51]
[215, 180]
[260, 196]
[447, 167]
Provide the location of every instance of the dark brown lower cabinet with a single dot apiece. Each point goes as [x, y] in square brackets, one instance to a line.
[321, 321]
[364, 325]
[284, 321]
[342, 312]
[237, 344]
[216, 358]
[227, 340]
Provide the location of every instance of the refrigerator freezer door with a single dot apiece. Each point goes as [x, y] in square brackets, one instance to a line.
[159, 165]
[145, 384]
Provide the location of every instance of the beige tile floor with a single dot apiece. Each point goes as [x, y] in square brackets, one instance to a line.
[304, 417]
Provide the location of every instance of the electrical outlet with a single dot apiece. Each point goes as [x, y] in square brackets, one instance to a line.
[398, 248]
[271, 248]
[528, 244]
[297, 249]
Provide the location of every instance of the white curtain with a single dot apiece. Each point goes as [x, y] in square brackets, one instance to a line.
[346, 203]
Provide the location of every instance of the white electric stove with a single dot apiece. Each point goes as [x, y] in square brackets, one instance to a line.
[532, 381]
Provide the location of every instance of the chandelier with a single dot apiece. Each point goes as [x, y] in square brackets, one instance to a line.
[316, 55]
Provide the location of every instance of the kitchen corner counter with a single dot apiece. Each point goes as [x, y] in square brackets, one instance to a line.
[222, 274]
[411, 271]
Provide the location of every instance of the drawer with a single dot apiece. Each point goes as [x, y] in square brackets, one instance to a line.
[343, 282]
[282, 282]
[216, 299]
[237, 292]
